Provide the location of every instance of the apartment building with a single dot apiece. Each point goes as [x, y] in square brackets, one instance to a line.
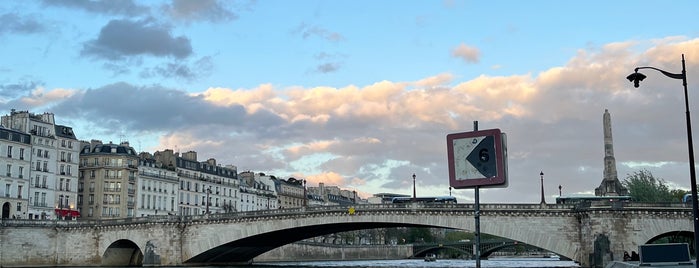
[256, 192]
[291, 193]
[107, 180]
[14, 173]
[204, 187]
[156, 193]
[53, 156]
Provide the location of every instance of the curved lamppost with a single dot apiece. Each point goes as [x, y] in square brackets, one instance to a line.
[637, 77]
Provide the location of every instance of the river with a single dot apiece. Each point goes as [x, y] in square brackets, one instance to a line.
[418, 263]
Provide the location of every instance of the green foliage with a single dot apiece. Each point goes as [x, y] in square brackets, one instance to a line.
[643, 187]
[678, 194]
[420, 235]
[454, 236]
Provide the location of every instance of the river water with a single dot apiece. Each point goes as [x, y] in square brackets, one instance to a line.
[419, 263]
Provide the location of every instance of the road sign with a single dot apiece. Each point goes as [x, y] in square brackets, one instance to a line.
[477, 158]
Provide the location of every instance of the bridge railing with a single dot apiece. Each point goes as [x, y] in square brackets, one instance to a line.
[341, 210]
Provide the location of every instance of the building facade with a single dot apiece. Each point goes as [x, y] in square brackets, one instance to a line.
[67, 165]
[291, 193]
[54, 160]
[156, 191]
[107, 180]
[15, 147]
[204, 187]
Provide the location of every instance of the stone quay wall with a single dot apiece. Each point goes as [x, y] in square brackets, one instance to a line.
[322, 252]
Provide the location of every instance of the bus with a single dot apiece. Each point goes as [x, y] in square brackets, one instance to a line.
[424, 200]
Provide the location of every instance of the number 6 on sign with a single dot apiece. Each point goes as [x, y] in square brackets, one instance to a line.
[477, 158]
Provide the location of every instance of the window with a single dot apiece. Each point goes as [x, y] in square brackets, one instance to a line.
[21, 172]
[70, 157]
[9, 151]
[7, 190]
[63, 156]
[43, 199]
[9, 170]
[36, 199]
[38, 152]
[21, 153]
[19, 191]
[46, 166]
[67, 185]
[19, 206]
[43, 182]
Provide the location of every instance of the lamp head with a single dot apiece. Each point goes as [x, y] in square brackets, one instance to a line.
[636, 77]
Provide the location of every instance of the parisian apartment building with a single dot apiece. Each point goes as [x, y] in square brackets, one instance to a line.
[47, 173]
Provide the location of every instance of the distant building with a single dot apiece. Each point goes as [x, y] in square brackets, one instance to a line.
[385, 198]
[256, 192]
[290, 193]
[203, 186]
[334, 195]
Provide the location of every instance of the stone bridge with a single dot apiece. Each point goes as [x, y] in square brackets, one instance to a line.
[589, 235]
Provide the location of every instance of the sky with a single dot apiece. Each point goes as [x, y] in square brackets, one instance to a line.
[362, 94]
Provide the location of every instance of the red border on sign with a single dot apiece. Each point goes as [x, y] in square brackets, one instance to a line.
[498, 180]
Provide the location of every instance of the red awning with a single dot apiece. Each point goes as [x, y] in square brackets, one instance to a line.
[67, 212]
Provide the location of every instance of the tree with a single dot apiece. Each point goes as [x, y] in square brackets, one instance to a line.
[644, 187]
[678, 194]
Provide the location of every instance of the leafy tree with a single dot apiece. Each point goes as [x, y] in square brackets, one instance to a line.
[678, 194]
[644, 187]
[454, 236]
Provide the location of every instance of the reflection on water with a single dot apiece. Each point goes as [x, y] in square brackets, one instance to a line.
[415, 263]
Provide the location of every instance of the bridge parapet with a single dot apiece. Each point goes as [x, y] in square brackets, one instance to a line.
[506, 209]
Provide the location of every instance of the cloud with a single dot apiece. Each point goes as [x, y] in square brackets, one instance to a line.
[13, 90]
[125, 38]
[307, 31]
[201, 10]
[13, 23]
[466, 53]
[375, 136]
[109, 7]
[182, 70]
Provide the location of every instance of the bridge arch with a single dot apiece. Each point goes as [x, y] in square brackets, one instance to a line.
[122, 252]
[238, 240]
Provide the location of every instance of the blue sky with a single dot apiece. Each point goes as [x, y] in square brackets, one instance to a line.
[362, 94]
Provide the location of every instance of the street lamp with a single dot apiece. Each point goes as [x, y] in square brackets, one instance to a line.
[560, 190]
[636, 77]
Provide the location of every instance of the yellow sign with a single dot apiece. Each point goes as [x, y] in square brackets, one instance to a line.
[351, 210]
